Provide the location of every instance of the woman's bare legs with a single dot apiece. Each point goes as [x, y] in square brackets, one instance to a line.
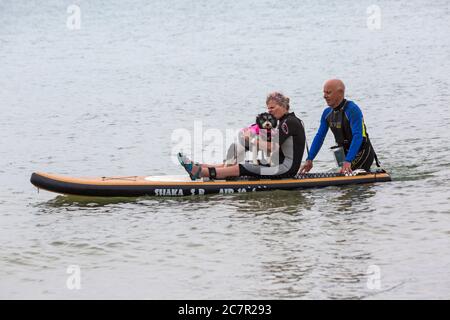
[221, 172]
[205, 165]
[235, 153]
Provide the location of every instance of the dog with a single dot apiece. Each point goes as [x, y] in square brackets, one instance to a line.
[247, 138]
[266, 123]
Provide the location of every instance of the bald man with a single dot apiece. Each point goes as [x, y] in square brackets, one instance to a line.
[345, 120]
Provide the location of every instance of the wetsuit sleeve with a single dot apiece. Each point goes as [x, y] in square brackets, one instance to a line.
[286, 129]
[355, 118]
[320, 136]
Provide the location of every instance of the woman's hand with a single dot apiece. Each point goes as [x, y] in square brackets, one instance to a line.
[265, 145]
[306, 167]
[246, 133]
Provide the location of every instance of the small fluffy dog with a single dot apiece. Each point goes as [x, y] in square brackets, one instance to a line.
[247, 138]
[265, 122]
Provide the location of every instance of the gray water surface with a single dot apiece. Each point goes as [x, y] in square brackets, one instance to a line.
[105, 100]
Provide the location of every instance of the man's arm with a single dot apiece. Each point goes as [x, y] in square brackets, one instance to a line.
[355, 117]
[320, 136]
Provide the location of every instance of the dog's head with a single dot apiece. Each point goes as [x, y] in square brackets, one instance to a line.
[266, 121]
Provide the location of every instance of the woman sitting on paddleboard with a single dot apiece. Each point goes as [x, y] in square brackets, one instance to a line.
[287, 149]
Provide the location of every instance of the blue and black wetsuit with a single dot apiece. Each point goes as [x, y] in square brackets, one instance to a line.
[347, 124]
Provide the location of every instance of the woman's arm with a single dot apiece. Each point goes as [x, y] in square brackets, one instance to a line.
[264, 145]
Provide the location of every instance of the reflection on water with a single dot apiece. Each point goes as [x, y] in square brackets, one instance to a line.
[322, 249]
[291, 201]
[288, 202]
[353, 199]
[80, 201]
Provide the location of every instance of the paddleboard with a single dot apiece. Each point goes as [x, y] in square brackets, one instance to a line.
[171, 186]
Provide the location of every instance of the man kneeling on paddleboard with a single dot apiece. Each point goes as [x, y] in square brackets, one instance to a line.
[345, 119]
[287, 154]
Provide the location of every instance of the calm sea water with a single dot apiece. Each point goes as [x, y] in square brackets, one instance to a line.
[105, 99]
